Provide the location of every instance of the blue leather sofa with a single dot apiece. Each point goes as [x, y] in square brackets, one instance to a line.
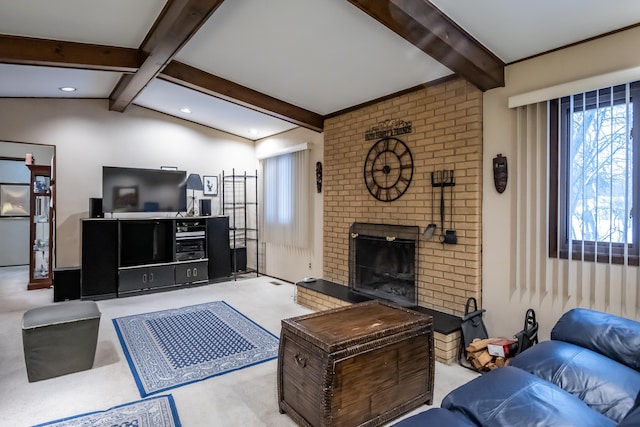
[588, 374]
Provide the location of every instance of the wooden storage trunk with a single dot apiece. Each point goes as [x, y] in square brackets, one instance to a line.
[361, 365]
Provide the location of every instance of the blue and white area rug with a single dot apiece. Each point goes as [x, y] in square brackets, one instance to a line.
[157, 411]
[171, 348]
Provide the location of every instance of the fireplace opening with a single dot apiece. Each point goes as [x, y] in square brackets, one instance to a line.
[382, 262]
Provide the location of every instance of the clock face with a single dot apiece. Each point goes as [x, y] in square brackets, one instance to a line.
[388, 169]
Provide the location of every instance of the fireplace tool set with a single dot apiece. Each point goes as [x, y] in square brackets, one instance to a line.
[442, 179]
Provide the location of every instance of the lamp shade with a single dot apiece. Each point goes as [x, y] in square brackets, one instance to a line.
[194, 182]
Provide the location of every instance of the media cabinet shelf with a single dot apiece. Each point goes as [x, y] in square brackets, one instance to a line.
[124, 257]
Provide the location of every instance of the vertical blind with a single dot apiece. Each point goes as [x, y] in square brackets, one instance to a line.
[285, 210]
[556, 284]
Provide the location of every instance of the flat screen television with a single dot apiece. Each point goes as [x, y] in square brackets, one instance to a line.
[143, 190]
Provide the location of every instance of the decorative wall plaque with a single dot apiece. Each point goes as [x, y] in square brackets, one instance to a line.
[388, 128]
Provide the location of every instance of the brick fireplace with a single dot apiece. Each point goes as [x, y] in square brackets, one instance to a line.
[446, 134]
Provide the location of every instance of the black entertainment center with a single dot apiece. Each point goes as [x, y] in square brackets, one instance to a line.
[123, 257]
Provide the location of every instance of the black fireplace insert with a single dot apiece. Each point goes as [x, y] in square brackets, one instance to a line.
[382, 261]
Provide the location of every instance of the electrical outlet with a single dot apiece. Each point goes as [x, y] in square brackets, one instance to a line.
[309, 265]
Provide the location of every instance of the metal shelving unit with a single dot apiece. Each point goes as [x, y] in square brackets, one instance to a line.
[240, 204]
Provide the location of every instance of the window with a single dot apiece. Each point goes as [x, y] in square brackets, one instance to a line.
[285, 190]
[278, 171]
[595, 175]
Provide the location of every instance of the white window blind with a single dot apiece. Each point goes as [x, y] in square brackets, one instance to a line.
[552, 280]
[286, 199]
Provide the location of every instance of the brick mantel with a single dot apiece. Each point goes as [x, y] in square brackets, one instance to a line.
[446, 134]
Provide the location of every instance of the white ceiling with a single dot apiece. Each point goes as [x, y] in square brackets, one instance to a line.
[320, 55]
[323, 55]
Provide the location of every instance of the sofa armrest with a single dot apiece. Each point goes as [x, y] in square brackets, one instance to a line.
[510, 396]
[605, 385]
[610, 335]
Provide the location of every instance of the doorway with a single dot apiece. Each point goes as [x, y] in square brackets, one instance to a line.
[14, 187]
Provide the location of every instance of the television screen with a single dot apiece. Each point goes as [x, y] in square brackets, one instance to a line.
[143, 190]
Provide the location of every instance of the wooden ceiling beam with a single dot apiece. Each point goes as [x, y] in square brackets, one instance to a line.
[56, 53]
[430, 30]
[201, 81]
[178, 22]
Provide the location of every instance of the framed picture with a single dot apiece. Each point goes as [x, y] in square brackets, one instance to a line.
[14, 200]
[210, 185]
[125, 198]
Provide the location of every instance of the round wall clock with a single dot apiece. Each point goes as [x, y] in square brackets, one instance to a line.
[388, 169]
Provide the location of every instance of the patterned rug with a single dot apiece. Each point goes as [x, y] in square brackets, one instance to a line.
[171, 348]
[157, 411]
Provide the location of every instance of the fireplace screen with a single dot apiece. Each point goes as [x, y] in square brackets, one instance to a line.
[382, 262]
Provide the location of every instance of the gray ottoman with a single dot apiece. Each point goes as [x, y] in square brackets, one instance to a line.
[60, 338]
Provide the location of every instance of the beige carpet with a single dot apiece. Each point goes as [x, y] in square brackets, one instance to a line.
[243, 398]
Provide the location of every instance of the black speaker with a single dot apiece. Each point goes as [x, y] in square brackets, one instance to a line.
[95, 208]
[205, 207]
[66, 284]
[238, 259]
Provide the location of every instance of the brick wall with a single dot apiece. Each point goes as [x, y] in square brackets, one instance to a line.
[447, 134]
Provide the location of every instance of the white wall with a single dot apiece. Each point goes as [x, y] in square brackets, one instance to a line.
[292, 264]
[88, 136]
[505, 308]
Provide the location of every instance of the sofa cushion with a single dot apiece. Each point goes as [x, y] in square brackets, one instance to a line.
[436, 417]
[605, 385]
[510, 396]
[613, 336]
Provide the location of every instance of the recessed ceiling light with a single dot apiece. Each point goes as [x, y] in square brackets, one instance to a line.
[67, 89]
[253, 131]
[185, 110]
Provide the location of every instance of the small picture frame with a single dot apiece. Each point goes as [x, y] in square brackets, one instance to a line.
[210, 185]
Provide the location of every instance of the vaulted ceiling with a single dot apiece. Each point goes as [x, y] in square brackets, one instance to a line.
[255, 68]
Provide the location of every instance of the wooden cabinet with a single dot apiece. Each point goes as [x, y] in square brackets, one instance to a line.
[123, 257]
[192, 272]
[136, 279]
[364, 364]
[218, 249]
[99, 271]
[41, 228]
